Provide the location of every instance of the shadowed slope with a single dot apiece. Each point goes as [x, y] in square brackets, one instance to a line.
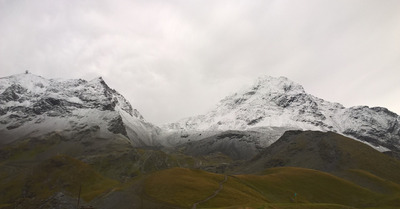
[329, 152]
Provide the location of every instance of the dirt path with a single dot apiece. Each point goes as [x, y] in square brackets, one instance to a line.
[221, 186]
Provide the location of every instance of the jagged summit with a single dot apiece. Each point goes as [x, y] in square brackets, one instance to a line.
[278, 85]
[269, 101]
[280, 102]
[265, 88]
[32, 105]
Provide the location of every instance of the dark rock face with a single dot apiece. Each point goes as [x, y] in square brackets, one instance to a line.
[135, 113]
[309, 149]
[255, 121]
[373, 138]
[3, 111]
[287, 100]
[116, 126]
[385, 111]
[238, 145]
[14, 125]
[12, 93]
[231, 135]
[49, 104]
[376, 125]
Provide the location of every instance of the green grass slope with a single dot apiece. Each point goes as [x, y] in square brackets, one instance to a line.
[57, 174]
[328, 152]
[181, 186]
[337, 173]
[275, 188]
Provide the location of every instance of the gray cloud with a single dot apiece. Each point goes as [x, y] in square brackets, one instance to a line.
[173, 59]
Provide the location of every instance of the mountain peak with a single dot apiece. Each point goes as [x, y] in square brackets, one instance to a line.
[280, 102]
[266, 89]
[31, 105]
[98, 79]
[31, 82]
[277, 85]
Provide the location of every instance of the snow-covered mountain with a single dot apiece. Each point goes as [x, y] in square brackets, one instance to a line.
[278, 102]
[31, 106]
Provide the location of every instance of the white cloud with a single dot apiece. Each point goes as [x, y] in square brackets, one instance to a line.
[178, 58]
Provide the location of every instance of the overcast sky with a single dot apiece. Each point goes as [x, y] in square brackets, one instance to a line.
[173, 59]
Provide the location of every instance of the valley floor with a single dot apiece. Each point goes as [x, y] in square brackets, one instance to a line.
[33, 175]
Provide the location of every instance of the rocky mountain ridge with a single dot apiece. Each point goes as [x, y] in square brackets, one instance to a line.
[31, 105]
[280, 102]
[57, 135]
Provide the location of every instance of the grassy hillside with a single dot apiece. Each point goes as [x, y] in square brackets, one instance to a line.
[58, 174]
[181, 186]
[311, 186]
[329, 152]
[68, 174]
[337, 173]
[275, 188]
